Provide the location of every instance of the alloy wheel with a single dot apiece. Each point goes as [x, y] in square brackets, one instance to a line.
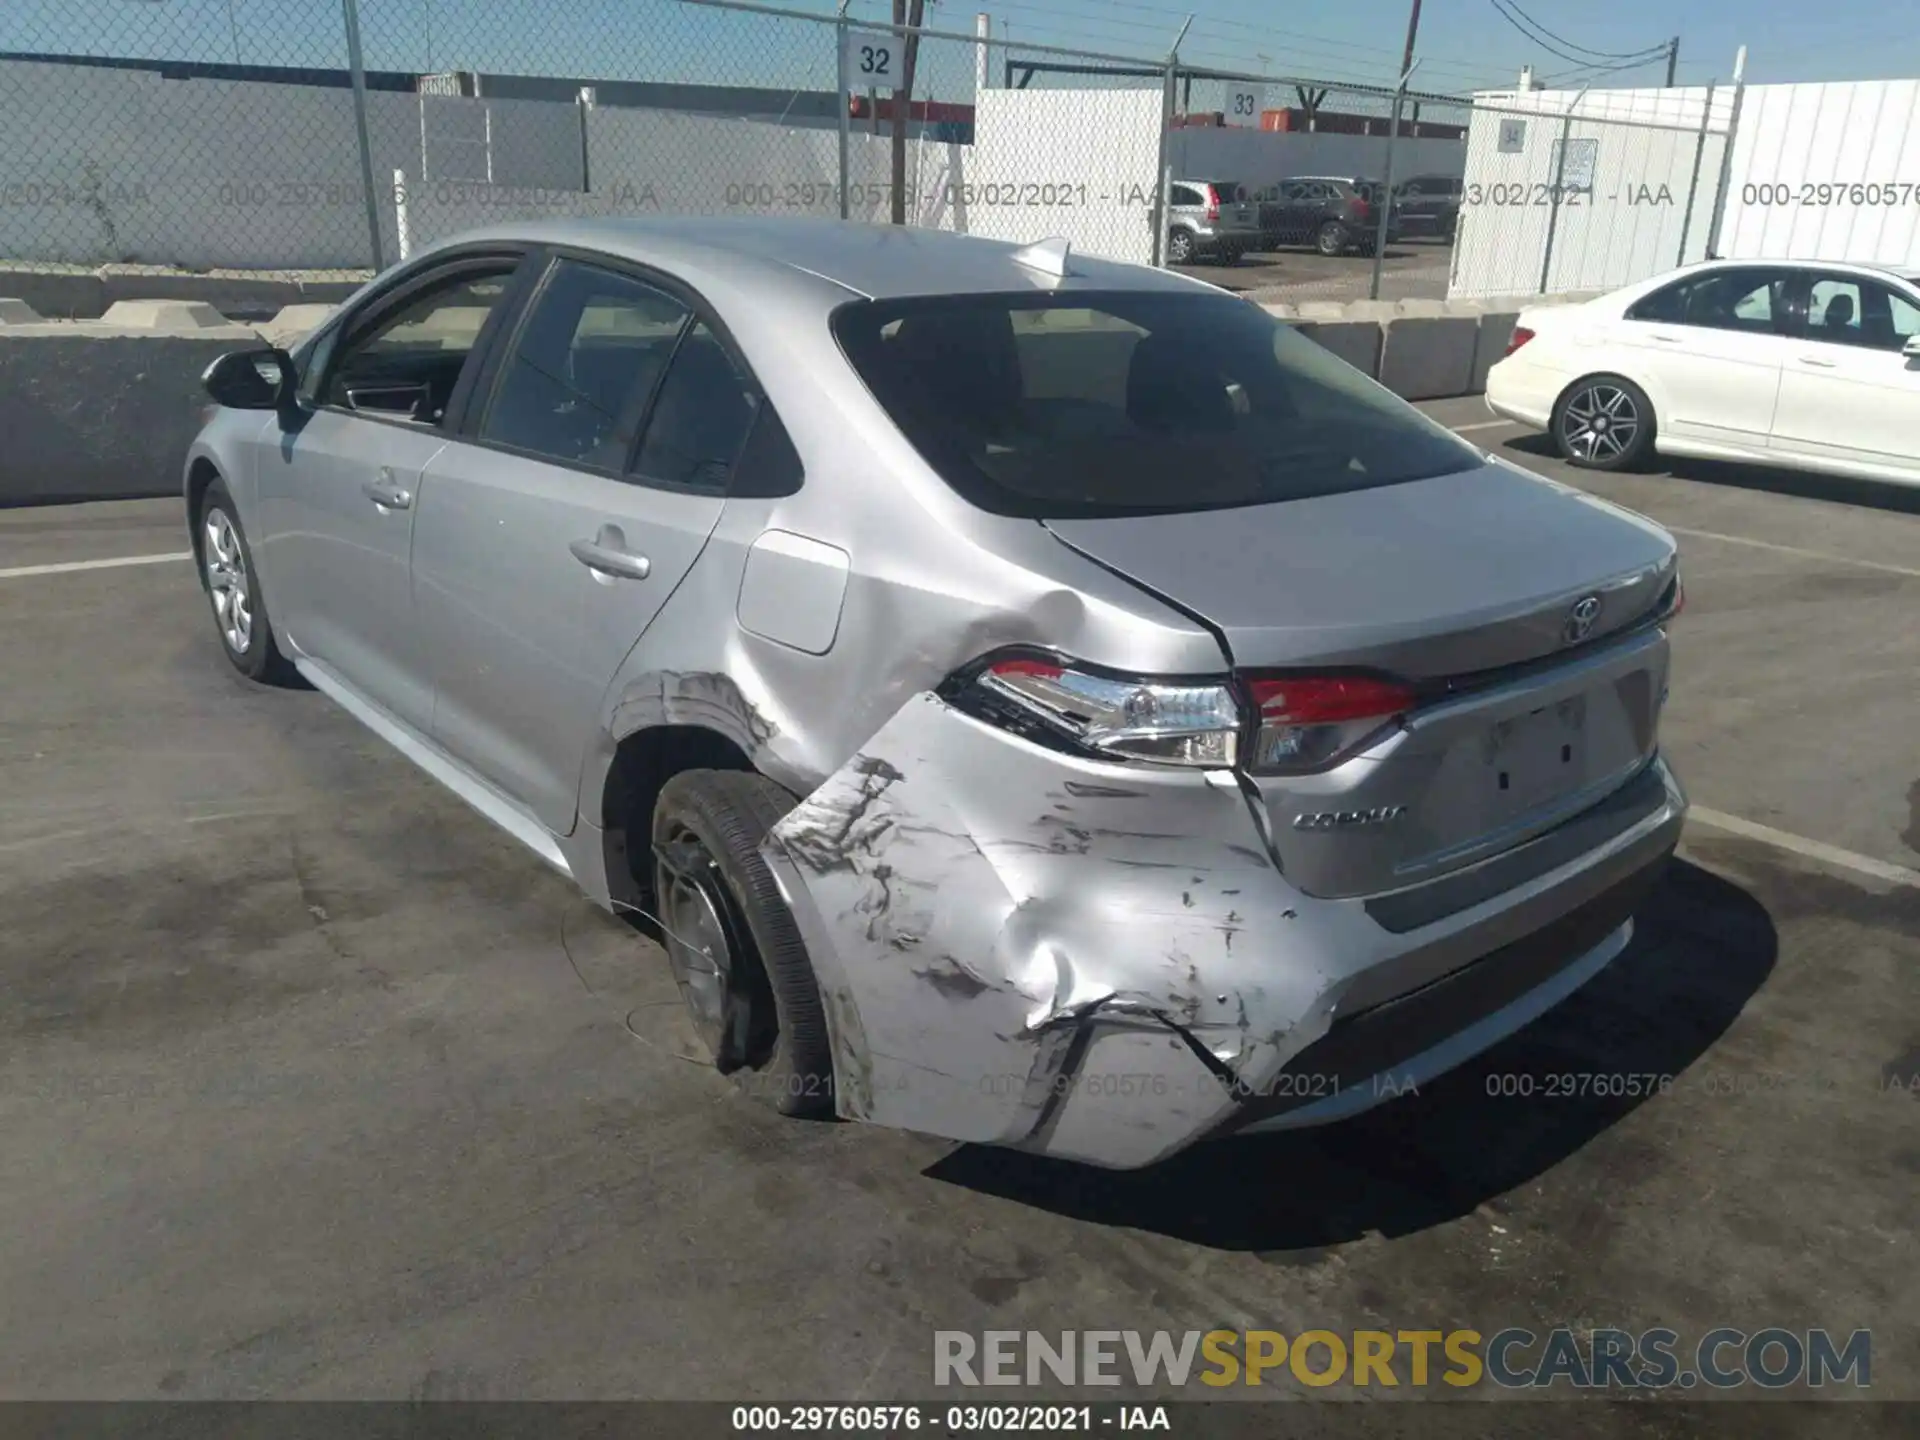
[227, 582]
[1600, 423]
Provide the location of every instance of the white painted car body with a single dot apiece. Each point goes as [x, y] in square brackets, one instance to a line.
[1826, 378]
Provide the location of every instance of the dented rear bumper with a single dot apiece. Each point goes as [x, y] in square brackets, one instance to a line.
[1101, 962]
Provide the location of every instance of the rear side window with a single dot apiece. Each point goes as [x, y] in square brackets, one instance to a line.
[583, 366]
[1753, 301]
[1063, 406]
[700, 421]
[1187, 195]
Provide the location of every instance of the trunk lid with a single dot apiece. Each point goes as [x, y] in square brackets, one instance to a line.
[1441, 580]
[1433, 578]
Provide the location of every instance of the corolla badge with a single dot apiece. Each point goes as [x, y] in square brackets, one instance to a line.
[1581, 619]
[1349, 819]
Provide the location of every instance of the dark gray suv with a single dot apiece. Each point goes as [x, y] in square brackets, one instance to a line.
[1333, 214]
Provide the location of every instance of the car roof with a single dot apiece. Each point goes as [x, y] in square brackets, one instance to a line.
[1858, 267]
[804, 253]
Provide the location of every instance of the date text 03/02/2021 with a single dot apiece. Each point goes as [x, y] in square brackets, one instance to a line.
[947, 1419]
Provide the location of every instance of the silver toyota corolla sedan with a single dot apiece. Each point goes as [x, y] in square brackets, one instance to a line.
[1036, 700]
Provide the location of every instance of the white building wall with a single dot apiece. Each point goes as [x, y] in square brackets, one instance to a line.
[1818, 172]
[1826, 172]
[1078, 164]
[1635, 219]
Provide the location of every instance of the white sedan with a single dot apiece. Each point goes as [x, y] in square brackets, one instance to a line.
[1810, 364]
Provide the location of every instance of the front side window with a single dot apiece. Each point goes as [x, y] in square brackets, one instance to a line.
[1843, 310]
[583, 367]
[406, 365]
[1063, 406]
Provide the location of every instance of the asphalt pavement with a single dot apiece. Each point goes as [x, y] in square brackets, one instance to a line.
[313, 1084]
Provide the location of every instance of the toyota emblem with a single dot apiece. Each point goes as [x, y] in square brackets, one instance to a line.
[1581, 619]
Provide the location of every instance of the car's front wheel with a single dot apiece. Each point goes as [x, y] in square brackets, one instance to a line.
[1331, 238]
[733, 945]
[233, 588]
[1603, 422]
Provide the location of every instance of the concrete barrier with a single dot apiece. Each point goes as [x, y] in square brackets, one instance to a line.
[1326, 324]
[1497, 318]
[102, 412]
[1428, 357]
[72, 293]
[294, 324]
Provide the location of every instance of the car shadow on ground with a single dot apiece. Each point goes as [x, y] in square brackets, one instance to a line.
[1801, 484]
[1703, 946]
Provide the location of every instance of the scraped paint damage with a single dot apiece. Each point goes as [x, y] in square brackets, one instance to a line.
[978, 984]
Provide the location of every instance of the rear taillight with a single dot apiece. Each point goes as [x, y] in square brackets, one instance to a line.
[1180, 721]
[1297, 723]
[1308, 722]
[1519, 337]
[1213, 203]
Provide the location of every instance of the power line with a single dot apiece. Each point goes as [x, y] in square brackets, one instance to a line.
[1638, 56]
[1571, 44]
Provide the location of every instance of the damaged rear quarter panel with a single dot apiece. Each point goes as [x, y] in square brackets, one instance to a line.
[986, 916]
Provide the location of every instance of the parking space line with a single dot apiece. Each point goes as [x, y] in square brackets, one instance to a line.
[1810, 849]
[1481, 425]
[1797, 551]
[22, 572]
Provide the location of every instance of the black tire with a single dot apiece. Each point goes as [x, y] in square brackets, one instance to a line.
[1330, 238]
[1590, 416]
[259, 658]
[774, 1035]
[1179, 247]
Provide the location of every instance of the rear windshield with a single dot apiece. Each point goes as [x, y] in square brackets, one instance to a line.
[1078, 406]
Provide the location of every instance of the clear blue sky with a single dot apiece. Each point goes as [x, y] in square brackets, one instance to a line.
[1464, 44]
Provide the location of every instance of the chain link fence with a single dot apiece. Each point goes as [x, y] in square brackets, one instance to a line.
[1576, 191]
[288, 137]
[139, 133]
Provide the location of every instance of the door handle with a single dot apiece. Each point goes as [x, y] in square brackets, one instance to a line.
[386, 494]
[1668, 339]
[1816, 363]
[607, 555]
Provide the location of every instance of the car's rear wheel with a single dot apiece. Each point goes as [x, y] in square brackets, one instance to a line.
[1603, 422]
[1331, 238]
[239, 609]
[734, 948]
[1180, 248]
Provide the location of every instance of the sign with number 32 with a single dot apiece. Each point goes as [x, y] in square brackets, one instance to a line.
[871, 59]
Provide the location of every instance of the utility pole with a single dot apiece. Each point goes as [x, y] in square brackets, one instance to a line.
[1673, 59]
[903, 98]
[1413, 29]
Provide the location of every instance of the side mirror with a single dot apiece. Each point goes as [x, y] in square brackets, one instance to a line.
[252, 380]
[1912, 348]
